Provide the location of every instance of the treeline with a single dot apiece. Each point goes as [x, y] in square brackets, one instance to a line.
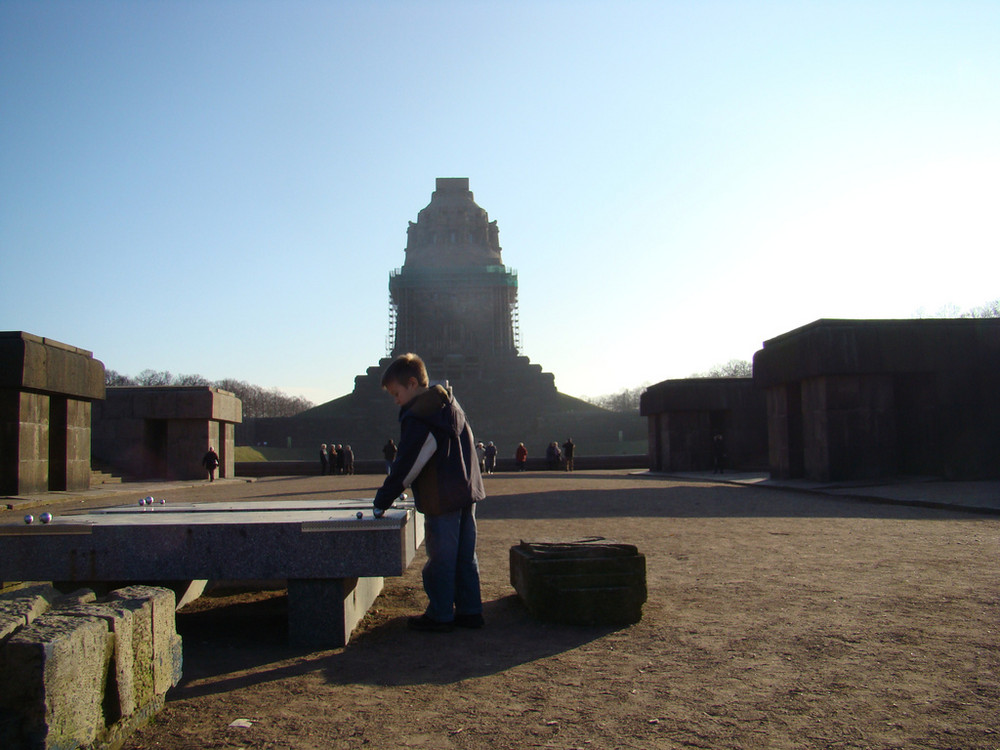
[627, 400]
[257, 401]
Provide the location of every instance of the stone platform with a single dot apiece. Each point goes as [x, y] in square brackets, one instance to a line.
[334, 562]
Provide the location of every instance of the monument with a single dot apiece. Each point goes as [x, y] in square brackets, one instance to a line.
[454, 303]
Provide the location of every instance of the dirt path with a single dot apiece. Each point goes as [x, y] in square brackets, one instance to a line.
[774, 620]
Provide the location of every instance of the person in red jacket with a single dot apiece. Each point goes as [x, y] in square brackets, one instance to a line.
[521, 456]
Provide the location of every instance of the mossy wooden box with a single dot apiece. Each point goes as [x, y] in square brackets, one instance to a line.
[593, 582]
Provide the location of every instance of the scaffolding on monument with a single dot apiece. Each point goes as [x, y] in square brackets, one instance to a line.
[516, 325]
[390, 338]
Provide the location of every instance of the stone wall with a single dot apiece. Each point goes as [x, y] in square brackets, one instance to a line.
[864, 399]
[78, 672]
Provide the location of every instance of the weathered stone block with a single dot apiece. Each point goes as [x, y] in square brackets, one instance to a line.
[20, 607]
[158, 664]
[580, 583]
[54, 673]
[123, 699]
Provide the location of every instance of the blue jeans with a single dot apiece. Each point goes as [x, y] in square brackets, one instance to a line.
[451, 574]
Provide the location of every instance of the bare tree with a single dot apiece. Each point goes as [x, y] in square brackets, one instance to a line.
[113, 378]
[154, 377]
[989, 310]
[625, 400]
[734, 368]
[257, 401]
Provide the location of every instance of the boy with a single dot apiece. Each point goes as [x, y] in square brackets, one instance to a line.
[437, 458]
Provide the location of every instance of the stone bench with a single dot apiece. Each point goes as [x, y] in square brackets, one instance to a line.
[334, 562]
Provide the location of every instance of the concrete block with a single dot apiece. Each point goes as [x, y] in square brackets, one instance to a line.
[53, 679]
[580, 583]
[20, 607]
[123, 698]
[158, 667]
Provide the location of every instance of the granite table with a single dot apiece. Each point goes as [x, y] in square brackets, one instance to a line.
[333, 561]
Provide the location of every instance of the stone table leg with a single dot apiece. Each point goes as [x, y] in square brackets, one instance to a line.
[323, 612]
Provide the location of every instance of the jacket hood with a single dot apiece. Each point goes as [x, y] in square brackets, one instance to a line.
[432, 407]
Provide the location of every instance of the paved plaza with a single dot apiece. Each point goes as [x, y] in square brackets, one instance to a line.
[778, 617]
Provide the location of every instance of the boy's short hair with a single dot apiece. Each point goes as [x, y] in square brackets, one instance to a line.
[404, 367]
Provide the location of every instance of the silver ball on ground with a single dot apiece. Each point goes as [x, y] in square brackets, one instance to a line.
[45, 517]
[29, 518]
[360, 515]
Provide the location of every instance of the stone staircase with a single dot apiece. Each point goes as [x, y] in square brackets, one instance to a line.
[99, 477]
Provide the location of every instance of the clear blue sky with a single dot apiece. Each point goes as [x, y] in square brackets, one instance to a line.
[222, 188]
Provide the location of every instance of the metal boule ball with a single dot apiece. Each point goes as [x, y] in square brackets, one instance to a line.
[29, 518]
[45, 517]
[360, 515]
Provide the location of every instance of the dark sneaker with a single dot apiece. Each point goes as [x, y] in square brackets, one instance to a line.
[470, 621]
[426, 625]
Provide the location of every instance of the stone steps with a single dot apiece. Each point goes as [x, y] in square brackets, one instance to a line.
[98, 477]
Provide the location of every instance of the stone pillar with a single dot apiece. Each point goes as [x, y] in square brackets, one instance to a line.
[24, 442]
[227, 449]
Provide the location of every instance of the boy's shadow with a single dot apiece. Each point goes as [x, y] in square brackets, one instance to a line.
[243, 644]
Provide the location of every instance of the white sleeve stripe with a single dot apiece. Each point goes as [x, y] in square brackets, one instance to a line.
[426, 451]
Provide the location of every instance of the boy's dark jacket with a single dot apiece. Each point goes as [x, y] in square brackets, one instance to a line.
[450, 478]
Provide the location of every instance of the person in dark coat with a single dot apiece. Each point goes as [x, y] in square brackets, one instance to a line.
[389, 451]
[323, 460]
[211, 463]
[569, 450]
[491, 457]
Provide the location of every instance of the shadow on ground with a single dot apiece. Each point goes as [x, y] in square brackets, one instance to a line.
[240, 640]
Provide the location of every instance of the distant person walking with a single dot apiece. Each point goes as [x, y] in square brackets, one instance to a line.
[521, 456]
[552, 455]
[490, 457]
[569, 450]
[331, 458]
[348, 460]
[481, 455]
[211, 463]
[389, 451]
[323, 461]
[341, 458]
[718, 454]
